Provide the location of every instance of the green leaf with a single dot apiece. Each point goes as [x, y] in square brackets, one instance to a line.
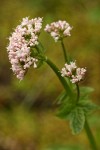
[65, 108]
[61, 97]
[87, 106]
[77, 120]
[85, 92]
[66, 105]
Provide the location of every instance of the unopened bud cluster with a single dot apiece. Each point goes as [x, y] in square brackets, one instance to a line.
[58, 30]
[24, 37]
[74, 73]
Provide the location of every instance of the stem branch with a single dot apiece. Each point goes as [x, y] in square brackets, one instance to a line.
[57, 72]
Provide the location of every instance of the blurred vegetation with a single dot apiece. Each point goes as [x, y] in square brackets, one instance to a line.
[27, 120]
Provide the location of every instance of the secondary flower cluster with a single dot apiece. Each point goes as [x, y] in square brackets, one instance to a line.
[73, 72]
[24, 37]
[58, 30]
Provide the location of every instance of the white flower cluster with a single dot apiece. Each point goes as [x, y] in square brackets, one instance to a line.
[58, 30]
[22, 39]
[73, 72]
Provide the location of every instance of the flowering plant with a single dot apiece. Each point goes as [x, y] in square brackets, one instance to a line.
[25, 50]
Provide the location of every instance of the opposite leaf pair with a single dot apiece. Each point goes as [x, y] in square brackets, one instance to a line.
[76, 112]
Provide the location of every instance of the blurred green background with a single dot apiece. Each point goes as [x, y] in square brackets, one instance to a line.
[27, 120]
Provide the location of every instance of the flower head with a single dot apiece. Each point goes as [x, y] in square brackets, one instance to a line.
[24, 37]
[58, 30]
[73, 72]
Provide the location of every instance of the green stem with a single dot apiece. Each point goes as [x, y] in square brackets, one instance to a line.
[78, 92]
[64, 52]
[57, 72]
[90, 136]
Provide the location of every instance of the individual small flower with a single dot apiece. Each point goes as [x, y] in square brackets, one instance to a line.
[58, 30]
[24, 37]
[74, 73]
